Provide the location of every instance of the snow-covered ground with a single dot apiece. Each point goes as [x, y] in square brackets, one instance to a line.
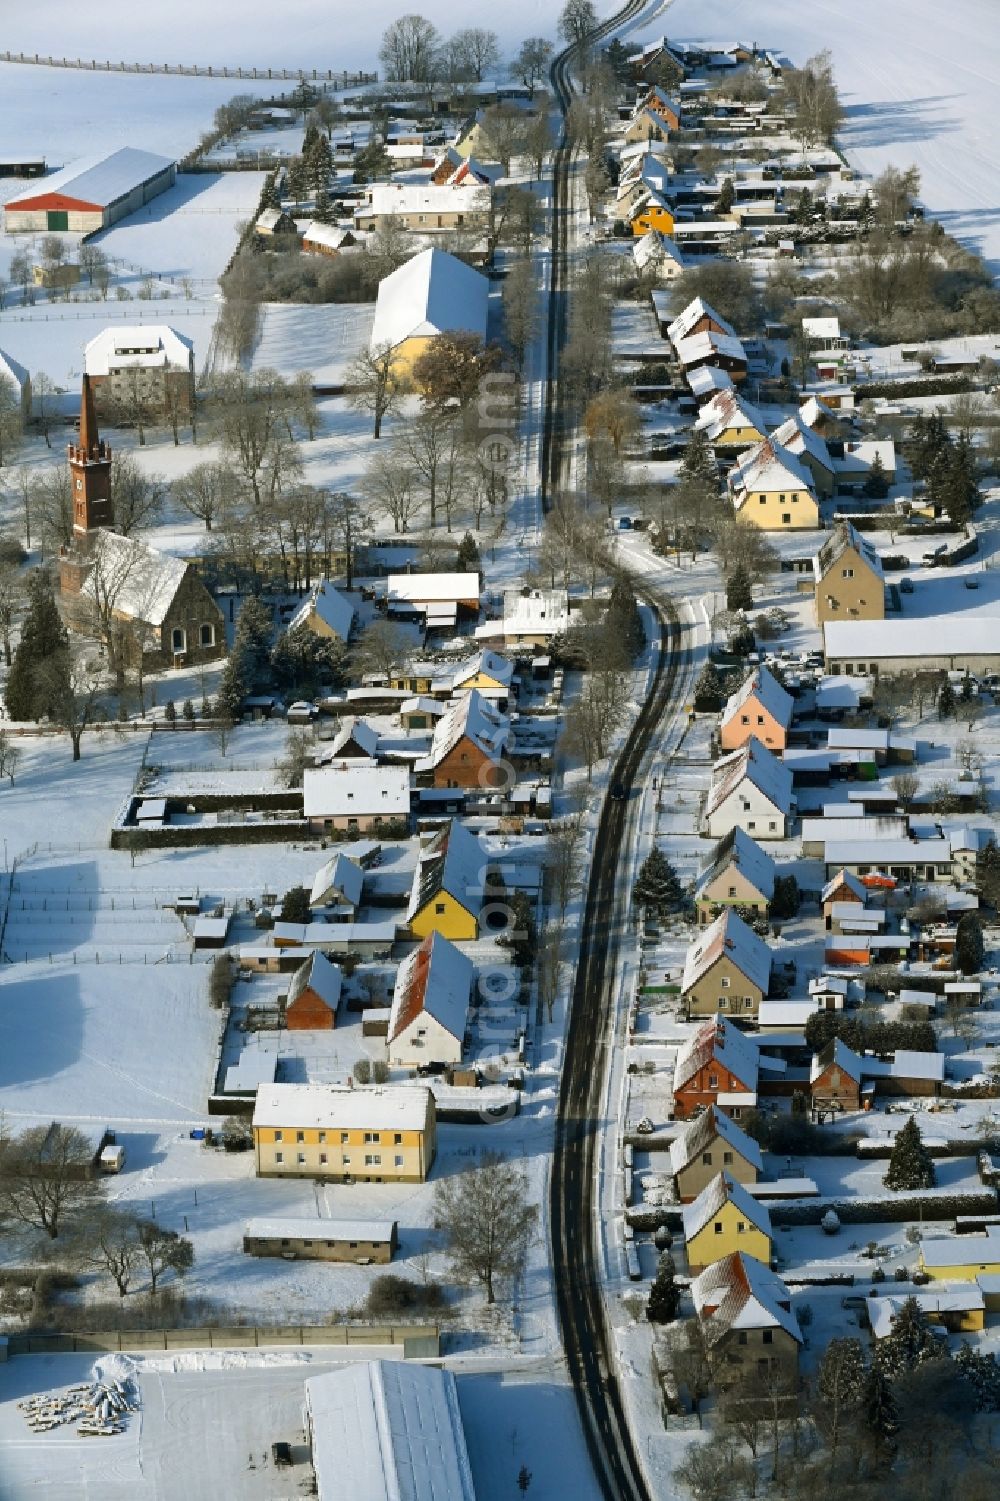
[188, 231]
[918, 84]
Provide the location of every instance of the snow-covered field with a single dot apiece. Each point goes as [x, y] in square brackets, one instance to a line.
[323, 339]
[188, 231]
[918, 82]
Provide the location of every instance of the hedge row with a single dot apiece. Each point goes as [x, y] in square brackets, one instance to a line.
[932, 385]
[863, 1210]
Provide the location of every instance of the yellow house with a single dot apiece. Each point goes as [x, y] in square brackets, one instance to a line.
[651, 211]
[326, 612]
[412, 682]
[723, 1219]
[431, 294]
[449, 885]
[383, 1135]
[771, 489]
[811, 451]
[472, 138]
[488, 673]
[651, 124]
[961, 1258]
[959, 1310]
[850, 583]
[730, 421]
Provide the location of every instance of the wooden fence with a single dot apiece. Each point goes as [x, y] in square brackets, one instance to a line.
[342, 80]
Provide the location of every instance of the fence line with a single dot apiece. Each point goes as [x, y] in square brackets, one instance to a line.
[342, 80]
[421, 1339]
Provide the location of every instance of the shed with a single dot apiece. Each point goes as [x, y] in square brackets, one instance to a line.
[360, 1241]
[211, 932]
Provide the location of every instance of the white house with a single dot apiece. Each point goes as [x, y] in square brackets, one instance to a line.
[430, 1004]
[355, 796]
[751, 790]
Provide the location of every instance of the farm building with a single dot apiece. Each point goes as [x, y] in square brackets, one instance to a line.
[313, 995]
[430, 1004]
[942, 643]
[377, 1135]
[90, 194]
[385, 1430]
[362, 1241]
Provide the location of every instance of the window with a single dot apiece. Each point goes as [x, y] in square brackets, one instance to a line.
[740, 1226]
[371, 1136]
[374, 1160]
[439, 909]
[343, 1137]
[279, 1136]
[848, 573]
[748, 1003]
[732, 891]
[300, 1158]
[723, 1003]
[207, 635]
[767, 1337]
[741, 1338]
[713, 1081]
[397, 1139]
[726, 1157]
[398, 1161]
[178, 639]
[300, 1136]
[322, 1137]
[322, 1159]
[717, 1227]
[345, 1160]
[279, 1156]
[724, 981]
[706, 1158]
[744, 719]
[786, 519]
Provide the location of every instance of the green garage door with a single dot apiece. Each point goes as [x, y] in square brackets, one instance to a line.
[57, 218]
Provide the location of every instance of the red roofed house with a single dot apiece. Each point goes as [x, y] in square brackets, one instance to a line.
[718, 1066]
[747, 1321]
[430, 1004]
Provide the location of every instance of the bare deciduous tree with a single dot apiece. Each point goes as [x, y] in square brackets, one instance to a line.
[372, 384]
[487, 1221]
[45, 1176]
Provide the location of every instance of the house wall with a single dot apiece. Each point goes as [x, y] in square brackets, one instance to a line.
[974, 662]
[727, 1232]
[424, 1041]
[849, 590]
[309, 1013]
[724, 988]
[731, 888]
[738, 437]
[365, 1156]
[768, 510]
[361, 823]
[466, 765]
[707, 1165]
[313, 1249]
[834, 1086]
[152, 384]
[755, 1352]
[445, 915]
[653, 217]
[824, 482]
[704, 1088]
[964, 1272]
[761, 819]
[191, 609]
[752, 719]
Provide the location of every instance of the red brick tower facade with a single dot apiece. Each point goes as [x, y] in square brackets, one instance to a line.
[90, 474]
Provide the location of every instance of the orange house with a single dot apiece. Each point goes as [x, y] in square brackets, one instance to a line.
[718, 1066]
[760, 708]
[652, 212]
[313, 996]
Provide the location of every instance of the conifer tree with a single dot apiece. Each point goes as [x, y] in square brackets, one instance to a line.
[469, 560]
[739, 590]
[946, 701]
[970, 948]
[43, 641]
[322, 207]
[624, 620]
[910, 1165]
[876, 480]
[908, 1344]
[698, 467]
[657, 886]
[880, 1409]
[664, 1295]
[727, 196]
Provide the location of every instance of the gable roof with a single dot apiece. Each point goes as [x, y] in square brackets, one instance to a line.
[354, 731]
[10, 368]
[696, 309]
[316, 973]
[842, 537]
[728, 937]
[718, 1039]
[799, 438]
[330, 235]
[101, 179]
[769, 693]
[341, 875]
[655, 246]
[453, 863]
[723, 1189]
[755, 763]
[813, 410]
[740, 1292]
[356, 789]
[844, 878]
[132, 578]
[706, 378]
[437, 979]
[333, 608]
[143, 346]
[708, 343]
[738, 849]
[471, 717]
[845, 1058]
[729, 409]
[485, 663]
[432, 293]
[700, 1135]
[440, 588]
[768, 467]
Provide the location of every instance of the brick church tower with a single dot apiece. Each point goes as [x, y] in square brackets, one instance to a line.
[90, 475]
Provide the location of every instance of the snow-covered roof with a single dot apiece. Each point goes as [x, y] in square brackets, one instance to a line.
[96, 179]
[472, 717]
[10, 368]
[962, 1250]
[433, 293]
[931, 636]
[787, 1015]
[722, 1189]
[654, 246]
[739, 1292]
[381, 1107]
[535, 612]
[453, 862]
[318, 974]
[728, 937]
[738, 849]
[753, 762]
[883, 1311]
[388, 1430]
[729, 409]
[706, 378]
[841, 879]
[437, 979]
[801, 439]
[767, 468]
[133, 579]
[432, 588]
[702, 1132]
[697, 309]
[331, 235]
[485, 663]
[333, 608]
[139, 346]
[849, 737]
[821, 328]
[384, 198]
[341, 878]
[829, 985]
[708, 345]
[353, 731]
[842, 537]
[351, 790]
[718, 1039]
[764, 687]
[369, 1231]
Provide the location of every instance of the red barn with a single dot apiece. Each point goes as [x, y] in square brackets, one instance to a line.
[91, 194]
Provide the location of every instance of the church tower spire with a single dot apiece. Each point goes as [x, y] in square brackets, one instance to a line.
[90, 468]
